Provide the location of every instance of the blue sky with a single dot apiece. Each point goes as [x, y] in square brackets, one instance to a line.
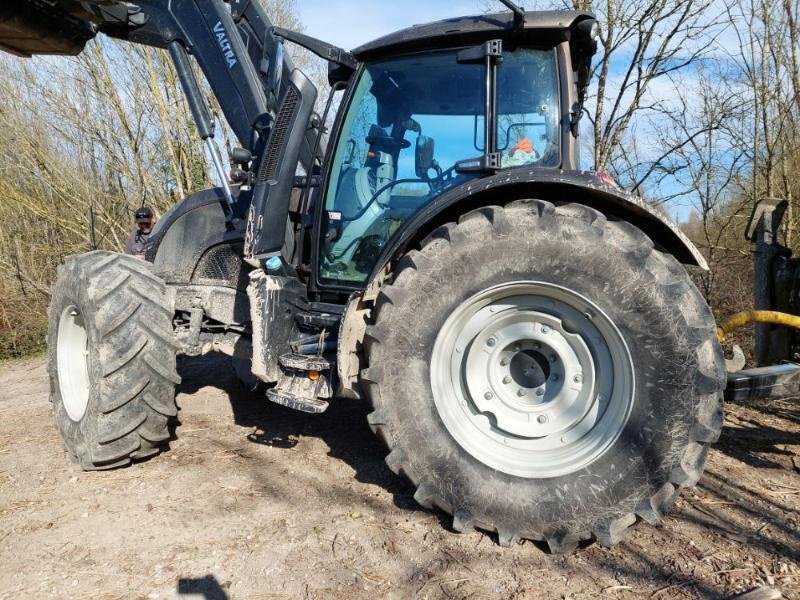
[350, 23]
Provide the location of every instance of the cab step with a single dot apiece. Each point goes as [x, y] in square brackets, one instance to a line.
[312, 406]
[304, 383]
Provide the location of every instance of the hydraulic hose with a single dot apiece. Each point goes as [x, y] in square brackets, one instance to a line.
[756, 316]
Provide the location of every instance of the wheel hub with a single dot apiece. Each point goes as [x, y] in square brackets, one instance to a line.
[532, 379]
[527, 372]
[72, 357]
[530, 369]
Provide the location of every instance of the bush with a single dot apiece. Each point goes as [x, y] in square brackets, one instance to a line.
[23, 328]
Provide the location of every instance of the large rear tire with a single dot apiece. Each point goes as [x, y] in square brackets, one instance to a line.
[545, 373]
[111, 359]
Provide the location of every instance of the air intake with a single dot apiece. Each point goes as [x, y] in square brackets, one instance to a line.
[283, 122]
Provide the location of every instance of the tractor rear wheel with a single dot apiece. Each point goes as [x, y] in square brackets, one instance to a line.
[111, 359]
[544, 372]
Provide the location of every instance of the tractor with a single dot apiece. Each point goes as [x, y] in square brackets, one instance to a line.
[536, 357]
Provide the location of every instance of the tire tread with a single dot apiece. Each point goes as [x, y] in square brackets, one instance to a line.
[136, 351]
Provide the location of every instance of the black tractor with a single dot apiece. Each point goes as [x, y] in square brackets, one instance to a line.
[538, 361]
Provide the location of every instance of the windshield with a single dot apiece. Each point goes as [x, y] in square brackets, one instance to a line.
[410, 120]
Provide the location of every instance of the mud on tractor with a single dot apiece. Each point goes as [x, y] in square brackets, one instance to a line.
[538, 361]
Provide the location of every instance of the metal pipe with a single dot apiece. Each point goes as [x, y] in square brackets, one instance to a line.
[216, 157]
[201, 114]
[198, 106]
[488, 134]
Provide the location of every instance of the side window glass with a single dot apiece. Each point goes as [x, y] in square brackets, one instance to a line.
[528, 109]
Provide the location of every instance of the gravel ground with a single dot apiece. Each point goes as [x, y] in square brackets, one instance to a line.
[256, 501]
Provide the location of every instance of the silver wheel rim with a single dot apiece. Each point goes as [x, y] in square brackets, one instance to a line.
[72, 356]
[532, 379]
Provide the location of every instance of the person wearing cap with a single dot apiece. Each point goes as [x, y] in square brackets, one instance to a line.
[138, 239]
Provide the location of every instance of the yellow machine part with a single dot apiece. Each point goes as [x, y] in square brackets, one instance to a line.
[756, 316]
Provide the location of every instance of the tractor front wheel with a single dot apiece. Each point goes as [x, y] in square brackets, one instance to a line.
[111, 359]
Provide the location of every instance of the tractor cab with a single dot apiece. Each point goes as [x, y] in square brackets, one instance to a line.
[435, 108]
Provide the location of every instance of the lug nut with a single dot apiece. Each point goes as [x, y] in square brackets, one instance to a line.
[505, 361]
[491, 342]
[521, 393]
[545, 329]
[541, 419]
[488, 395]
[540, 392]
[506, 379]
[578, 378]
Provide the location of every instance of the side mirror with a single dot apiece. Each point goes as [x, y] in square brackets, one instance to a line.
[424, 156]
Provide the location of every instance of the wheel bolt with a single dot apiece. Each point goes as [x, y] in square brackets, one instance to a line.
[506, 379]
[505, 361]
[545, 329]
[540, 392]
[521, 393]
[578, 378]
[488, 395]
[491, 342]
[541, 419]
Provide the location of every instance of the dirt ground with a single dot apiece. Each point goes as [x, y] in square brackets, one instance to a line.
[256, 501]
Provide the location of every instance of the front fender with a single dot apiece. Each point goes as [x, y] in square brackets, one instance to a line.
[554, 186]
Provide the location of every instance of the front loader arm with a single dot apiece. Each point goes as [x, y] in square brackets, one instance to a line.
[205, 28]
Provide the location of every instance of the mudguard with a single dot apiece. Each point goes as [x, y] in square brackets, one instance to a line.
[186, 233]
[198, 254]
[552, 185]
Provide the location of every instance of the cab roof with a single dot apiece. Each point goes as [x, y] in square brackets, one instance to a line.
[541, 27]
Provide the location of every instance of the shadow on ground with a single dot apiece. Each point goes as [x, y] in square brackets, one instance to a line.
[207, 587]
[343, 427]
[714, 527]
